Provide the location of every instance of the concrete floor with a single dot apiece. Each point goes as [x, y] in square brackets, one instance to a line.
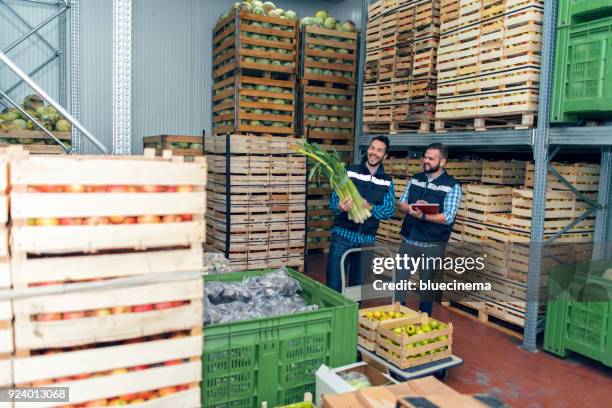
[495, 363]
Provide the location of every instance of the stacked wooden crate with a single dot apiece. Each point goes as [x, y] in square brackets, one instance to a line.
[488, 64]
[6, 311]
[112, 262]
[254, 74]
[328, 92]
[188, 147]
[501, 221]
[400, 72]
[256, 203]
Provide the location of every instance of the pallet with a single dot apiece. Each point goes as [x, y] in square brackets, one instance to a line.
[503, 172]
[344, 66]
[162, 371]
[583, 176]
[177, 144]
[250, 145]
[35, 141]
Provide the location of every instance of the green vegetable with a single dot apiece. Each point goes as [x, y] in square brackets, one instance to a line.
[290, 15]
[322, 14]
[331, 166]
[330, 22]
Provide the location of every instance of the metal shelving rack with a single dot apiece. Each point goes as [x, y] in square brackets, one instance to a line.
[539, 140]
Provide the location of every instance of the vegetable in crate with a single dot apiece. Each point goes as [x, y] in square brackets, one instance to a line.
[330, 164]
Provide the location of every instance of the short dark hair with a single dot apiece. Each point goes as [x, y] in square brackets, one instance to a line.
[383, 139]
[439, 147]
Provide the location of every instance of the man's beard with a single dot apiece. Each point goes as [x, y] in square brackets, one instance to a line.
[432, 169]
[375, 163]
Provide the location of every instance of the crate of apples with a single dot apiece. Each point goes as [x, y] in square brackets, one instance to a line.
[411, 344]
[370, 320]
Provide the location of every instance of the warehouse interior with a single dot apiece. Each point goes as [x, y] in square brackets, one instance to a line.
[167, 86]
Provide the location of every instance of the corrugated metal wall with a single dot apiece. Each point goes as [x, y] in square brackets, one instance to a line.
[171, 62]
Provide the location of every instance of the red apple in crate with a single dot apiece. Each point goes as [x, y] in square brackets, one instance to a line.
[46, 222]
[49, 189]
[116, 189]
[167, 391]
[142, 308]
[186, 217]
[63, 379]
[171, 189]
[41, 383]
[164, 305]
[149, 219]
[130, 220]
[96, 403]
[81, 376]
[171, 218]
[48, 317]
[117, 401]
[95, 189]
[73, 315]
[70, 221]
[74, 188]
[137, 401]
[146, 395]
[182, 387]
[153, 396]
[184, 189]
[138, 368]
[117, 219]
[150, 189]
[173, 362]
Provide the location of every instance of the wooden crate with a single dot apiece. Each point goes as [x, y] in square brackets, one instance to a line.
[464, 170]
[480, 200]
[230, 54]
[455, 15]
[583, 176]
[248, 144]
[561, 209]
[390, 230]
[258, 170]
[165, 372]
[338, 67]
[264, 103]
[389, 342]
[35, 141]
[503, 172]
[180, 145]
[368, 328]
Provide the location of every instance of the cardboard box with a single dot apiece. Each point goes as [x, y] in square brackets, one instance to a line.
[446, 401]
[329, 381]
[388, 396]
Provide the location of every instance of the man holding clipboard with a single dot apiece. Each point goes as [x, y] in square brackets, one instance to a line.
[430, 203]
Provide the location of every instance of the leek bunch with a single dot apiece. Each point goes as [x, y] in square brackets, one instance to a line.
[330, 165]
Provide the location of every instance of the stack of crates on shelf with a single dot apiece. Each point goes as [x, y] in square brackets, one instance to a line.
[254, 74]
[275, 359]
[188, 147]
[328, 94]
[400, 72]
[112, 262]
[6, 311]
[582, 83]
[256, 201]
[488, 64]
[464, 170]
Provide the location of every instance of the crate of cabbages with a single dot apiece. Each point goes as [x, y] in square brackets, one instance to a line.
[271, 327]
[186, 146]
[370, 320]
[414, 344]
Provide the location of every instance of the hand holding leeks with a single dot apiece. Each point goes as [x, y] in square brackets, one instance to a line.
[331, 166]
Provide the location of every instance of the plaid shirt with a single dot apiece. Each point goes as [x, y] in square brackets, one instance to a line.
[384, 211]
[451, 205]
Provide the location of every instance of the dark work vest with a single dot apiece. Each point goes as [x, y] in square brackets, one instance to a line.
[433, 192]
[372, 188]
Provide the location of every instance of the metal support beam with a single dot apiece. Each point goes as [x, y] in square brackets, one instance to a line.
[540, 153]
[61, 62]
[360, 71]
[75, 71]
[122, 76]
[29, 27]
[602, 236]
[51, 101]
[35, 29]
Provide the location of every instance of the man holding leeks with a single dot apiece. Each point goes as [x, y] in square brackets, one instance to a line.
[353, 231]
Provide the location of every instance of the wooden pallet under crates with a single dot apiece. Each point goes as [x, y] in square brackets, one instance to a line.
[582, 176]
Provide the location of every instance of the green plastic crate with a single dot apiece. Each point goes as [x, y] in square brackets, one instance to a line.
[575, 11]
[275, 359]
[582, 86]
[578, 318]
